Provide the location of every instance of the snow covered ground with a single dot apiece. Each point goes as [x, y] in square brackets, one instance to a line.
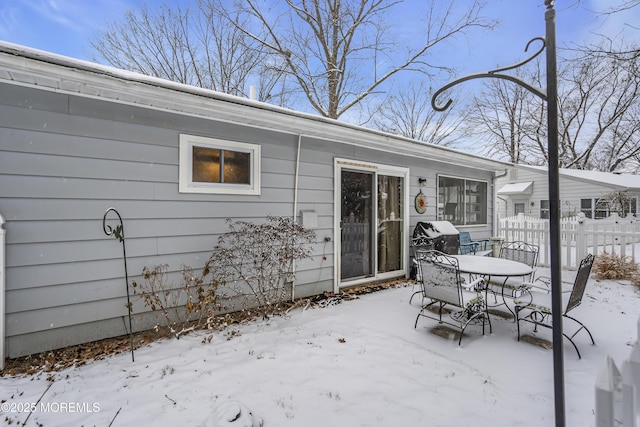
[358, 363]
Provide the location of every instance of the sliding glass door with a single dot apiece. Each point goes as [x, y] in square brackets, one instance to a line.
[390, 223]
[372, 221]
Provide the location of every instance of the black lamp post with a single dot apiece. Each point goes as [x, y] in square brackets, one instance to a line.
[554, 212]
[551, 96]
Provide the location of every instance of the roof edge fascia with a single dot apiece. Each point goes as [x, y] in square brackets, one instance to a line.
[83, 78]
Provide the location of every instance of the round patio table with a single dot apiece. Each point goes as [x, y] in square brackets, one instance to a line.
[489, 266]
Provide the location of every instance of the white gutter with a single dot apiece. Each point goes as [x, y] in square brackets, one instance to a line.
[495, 197]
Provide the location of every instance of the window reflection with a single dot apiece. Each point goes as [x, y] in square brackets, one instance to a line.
[214, 165]
[462, 201]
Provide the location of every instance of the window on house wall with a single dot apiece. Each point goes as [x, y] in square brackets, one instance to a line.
[564, 209]
[586, 207]
[544, 209]
[518, 208]
[217, 166]
[462, 201]
[601, 209]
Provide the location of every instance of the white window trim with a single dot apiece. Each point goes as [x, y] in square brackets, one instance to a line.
[186, 185]
[465, 211]
[376, 169]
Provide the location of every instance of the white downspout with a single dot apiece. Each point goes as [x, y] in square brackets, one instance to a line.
[295, 212]
[2, 291]
[495, 200]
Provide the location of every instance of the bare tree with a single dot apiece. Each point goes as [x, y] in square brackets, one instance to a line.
[598, 115]
[197, 47]
[338, 52]
[408, 113]
[598, 112]
[622, 6]
[615, 9]
[507, 121]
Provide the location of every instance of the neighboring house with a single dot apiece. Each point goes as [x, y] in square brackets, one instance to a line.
[77, 138]
[524, 189]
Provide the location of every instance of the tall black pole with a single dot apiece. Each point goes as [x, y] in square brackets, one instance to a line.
[554, 213]
[551, 96]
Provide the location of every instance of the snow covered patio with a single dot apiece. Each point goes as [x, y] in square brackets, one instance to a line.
[357, 363]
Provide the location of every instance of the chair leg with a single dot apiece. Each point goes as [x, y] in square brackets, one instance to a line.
[440, 306]
[482, 314]
[461, 333]
[582, 326]
[485, 313]
[413, 295]
[424, 307]
[538, 318]
[504, 301]
[574, 344]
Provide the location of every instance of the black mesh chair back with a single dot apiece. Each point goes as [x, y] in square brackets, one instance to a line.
[580, 283]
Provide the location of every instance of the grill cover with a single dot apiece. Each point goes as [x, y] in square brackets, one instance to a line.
[440, 235]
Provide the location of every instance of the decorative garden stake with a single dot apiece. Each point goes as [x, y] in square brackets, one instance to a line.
[118, 233]
[554, 204]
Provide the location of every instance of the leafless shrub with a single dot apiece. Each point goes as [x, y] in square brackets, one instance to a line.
[255, 262]
[184, 308]
[616, 267]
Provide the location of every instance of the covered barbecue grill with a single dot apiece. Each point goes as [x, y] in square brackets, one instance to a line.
[439, 235]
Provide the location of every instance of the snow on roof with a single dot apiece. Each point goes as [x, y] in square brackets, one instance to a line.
[48, 70]
[517, 188]
[625, 181]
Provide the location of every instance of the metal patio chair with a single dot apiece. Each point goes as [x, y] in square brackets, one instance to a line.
[468, 246]
[506, 287]
[537, 310]
[442, 286]
[523, 252]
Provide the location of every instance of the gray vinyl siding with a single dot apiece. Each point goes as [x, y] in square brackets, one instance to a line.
[59, 172]
[572, 190]
[65, 159]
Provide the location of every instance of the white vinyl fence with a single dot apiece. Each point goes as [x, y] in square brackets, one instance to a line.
[618, 391]
[578, 236]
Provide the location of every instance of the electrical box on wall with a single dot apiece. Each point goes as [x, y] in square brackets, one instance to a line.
[309, 219]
